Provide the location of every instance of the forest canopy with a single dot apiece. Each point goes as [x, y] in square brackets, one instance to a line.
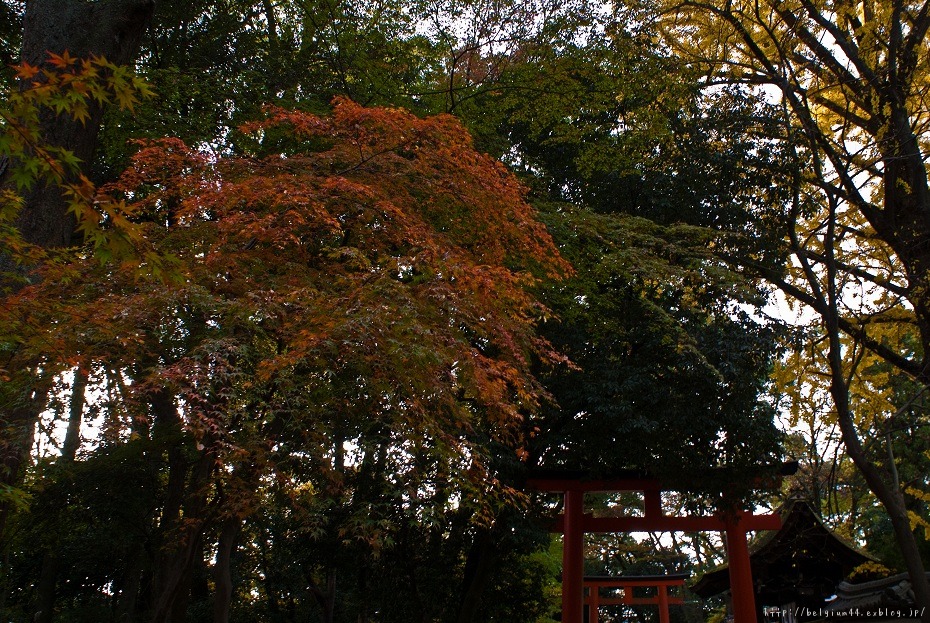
[296, 294]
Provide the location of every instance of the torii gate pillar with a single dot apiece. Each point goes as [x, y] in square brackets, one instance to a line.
[573, 558]
[741, 587]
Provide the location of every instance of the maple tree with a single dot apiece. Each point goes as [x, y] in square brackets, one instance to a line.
[344, 276]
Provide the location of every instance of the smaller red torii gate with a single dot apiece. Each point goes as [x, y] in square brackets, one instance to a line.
[662, 598]
[574, 523]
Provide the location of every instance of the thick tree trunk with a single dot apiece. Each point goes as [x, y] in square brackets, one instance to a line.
[363, 591]
[893, 501]
[329, 607]
[75, 417]
[17, 432]
[109, 28]
[326, 598]
[904, 221]
[907, 205]
[45, 588]
[479, 566]
[167, 434]
[184, 549]
[193, 584]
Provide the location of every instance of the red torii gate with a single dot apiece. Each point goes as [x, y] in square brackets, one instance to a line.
[661, 583]
[574, 523]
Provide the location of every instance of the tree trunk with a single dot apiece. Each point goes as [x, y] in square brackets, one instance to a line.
[889, 495]
[222, 572]
[75, 417]
[17, 433]
[363, 591]
[329, 607]
[45, 588]
[479, 566]
[892, 499]
[181, 553]
[51, 561]
[326, 598]
[907, 207]
[129, 590]
[109, 28]
[193, 580]
[181, 527]
[903, 223]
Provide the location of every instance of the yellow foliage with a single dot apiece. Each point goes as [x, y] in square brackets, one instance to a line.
[869, 571]
[916, 520]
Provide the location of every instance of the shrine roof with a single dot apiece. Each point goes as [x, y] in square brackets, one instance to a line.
[872, 599]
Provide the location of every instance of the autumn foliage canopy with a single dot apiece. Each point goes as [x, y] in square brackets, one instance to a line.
[363, 274]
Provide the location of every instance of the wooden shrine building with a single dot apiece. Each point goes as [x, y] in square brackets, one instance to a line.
[795, 569]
